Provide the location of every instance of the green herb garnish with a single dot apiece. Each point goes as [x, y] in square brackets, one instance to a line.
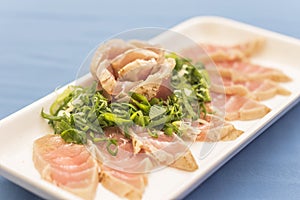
[193, 77]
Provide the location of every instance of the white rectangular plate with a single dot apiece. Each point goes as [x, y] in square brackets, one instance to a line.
[27, 125]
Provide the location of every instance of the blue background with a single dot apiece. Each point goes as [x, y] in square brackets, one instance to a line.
[42, 44]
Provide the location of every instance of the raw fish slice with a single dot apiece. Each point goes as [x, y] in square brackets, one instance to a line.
[243, 108]
[215, 128]
[258, 90]
[262, 90]
[126, 159]
[69, 166]
[167, 150]
[123, 173]
[125, 185]
[227, 86]
[245, 70]
[235, 52]
[143, 153]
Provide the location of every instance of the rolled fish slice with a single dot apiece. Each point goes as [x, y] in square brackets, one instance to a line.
[129, 56]
[121, 67]
[108, 51]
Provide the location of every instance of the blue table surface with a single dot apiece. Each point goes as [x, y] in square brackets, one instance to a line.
[42, 44]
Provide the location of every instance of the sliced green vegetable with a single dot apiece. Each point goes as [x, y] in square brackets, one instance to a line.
[61, 101]
[74, 136]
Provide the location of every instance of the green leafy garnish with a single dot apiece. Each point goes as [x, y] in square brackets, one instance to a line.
[193, 77]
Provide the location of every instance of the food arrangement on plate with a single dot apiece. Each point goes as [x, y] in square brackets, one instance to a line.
[144, 110]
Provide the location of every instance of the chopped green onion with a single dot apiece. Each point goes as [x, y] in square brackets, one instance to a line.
[112, 142]
[153, 133]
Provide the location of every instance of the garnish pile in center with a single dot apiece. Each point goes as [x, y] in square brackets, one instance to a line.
[125, 104]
